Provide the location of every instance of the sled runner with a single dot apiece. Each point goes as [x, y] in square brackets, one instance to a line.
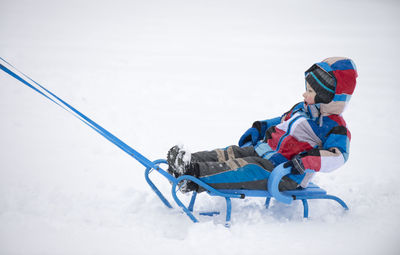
[311, 192]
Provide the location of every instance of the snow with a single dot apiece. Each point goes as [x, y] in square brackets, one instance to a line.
[159, 73]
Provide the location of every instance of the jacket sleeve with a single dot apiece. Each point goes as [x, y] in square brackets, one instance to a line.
[333, 154]
[263, 125]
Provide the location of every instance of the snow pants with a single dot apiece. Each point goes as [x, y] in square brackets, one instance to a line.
[236, 168]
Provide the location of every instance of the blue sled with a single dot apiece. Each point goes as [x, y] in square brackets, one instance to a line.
[311, 192]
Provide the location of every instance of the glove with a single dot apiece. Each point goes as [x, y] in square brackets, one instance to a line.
[296, 165]
[251, 135]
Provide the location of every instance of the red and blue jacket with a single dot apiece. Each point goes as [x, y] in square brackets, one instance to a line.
[317, 133]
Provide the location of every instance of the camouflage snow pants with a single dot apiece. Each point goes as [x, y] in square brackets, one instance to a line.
[236, 168]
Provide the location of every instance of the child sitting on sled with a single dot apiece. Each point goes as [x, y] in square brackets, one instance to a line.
[312, 135]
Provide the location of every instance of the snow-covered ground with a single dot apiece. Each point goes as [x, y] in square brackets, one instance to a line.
[157, 73]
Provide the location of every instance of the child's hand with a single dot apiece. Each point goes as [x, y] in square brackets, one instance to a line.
[296, 165]
[251, 135]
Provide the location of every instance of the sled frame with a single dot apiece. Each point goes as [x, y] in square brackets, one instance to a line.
[313, 191]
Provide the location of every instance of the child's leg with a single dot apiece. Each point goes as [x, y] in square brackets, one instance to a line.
[222, 155]
[230, 168]
[241, 173]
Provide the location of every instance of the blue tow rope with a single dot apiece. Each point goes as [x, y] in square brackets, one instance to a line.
[14, 72]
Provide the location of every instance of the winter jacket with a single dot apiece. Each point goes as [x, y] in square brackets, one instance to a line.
[317, 133]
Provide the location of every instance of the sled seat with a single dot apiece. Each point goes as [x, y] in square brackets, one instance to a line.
[313, 191]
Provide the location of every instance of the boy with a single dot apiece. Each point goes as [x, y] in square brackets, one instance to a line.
[312, 135]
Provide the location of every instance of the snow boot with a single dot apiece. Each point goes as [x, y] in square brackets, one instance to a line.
[179, 164]
[178, 161]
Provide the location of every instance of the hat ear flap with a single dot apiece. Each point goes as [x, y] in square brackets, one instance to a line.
[325, 98]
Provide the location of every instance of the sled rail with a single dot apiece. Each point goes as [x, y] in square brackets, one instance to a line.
[313, 191]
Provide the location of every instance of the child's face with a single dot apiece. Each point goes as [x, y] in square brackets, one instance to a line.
[309, 95]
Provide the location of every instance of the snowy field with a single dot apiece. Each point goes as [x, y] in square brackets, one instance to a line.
[158, 73]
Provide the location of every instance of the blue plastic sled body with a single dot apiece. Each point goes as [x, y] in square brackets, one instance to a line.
[311, 192]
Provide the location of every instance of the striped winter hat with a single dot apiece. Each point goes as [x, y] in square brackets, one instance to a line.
[333, 79]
